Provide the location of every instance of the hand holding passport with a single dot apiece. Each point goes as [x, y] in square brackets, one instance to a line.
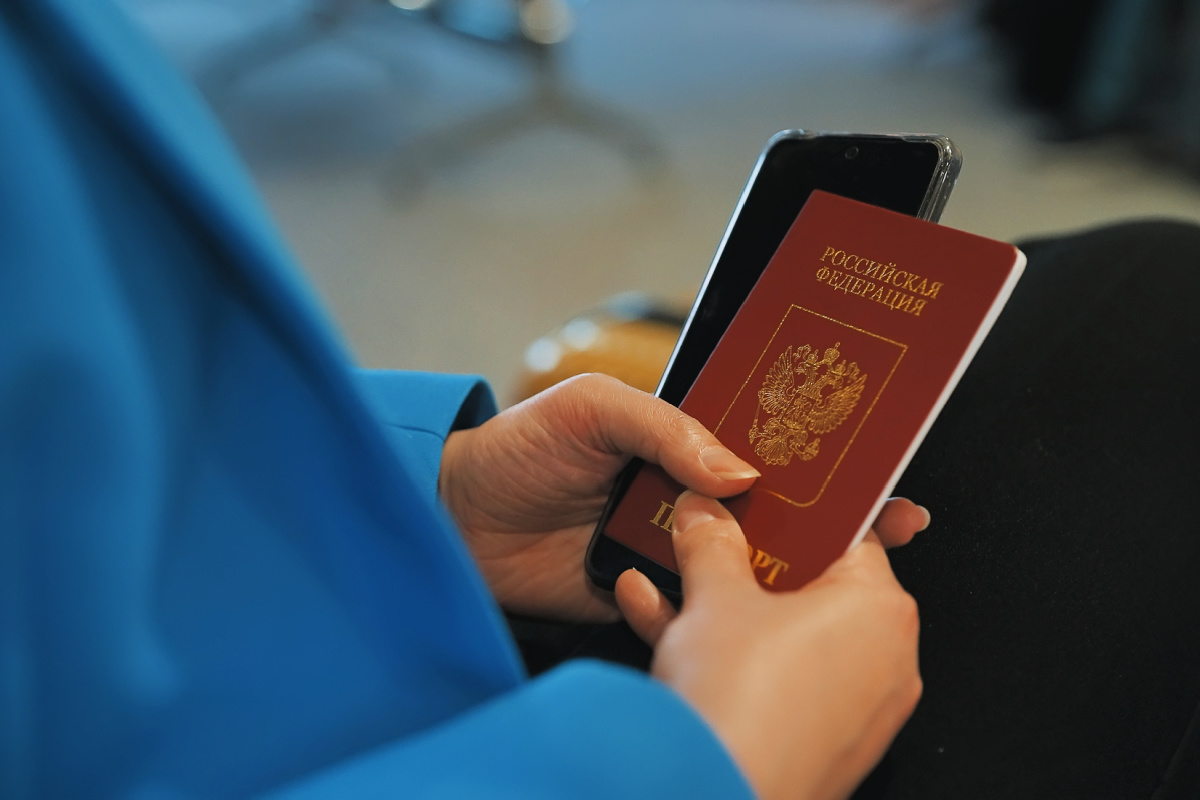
[829, 377]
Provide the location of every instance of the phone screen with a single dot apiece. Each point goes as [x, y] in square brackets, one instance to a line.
[894, 172]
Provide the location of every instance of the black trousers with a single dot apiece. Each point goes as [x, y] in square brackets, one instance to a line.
[1059, 584]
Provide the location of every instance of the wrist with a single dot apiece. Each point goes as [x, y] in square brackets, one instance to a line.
[449, 483]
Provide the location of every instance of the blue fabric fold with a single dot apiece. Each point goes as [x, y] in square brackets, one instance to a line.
[223, 566]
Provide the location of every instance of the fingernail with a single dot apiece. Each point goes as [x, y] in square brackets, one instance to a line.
[928, 518]
[725, 465]
[688, 515]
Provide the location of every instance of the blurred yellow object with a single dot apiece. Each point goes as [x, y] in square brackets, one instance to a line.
[630, 337]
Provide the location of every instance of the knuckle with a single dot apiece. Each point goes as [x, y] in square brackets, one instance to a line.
[902, 614]
[726, 533]
[716, 533]
[918, 688]
[858, 557]
[912, 692]
[905, 606]
[587, 386]
[677, 425]
[575, 405]
[856, 566]
[713, 535]
[677, 434]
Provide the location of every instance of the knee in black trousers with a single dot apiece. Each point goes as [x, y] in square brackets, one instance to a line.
[1059, 584]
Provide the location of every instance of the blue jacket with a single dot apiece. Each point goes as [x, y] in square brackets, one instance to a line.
[223, 566]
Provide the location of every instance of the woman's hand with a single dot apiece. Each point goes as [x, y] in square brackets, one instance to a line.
[806, 688]
[527, 487]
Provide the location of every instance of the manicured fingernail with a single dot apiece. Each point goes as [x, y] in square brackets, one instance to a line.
[688, 515]
[726, 465]
[928, 518]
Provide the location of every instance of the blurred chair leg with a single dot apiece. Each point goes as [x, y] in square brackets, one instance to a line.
[230, 63]
[549, 102]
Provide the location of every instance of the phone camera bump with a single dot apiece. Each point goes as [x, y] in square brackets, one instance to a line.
[851, 152]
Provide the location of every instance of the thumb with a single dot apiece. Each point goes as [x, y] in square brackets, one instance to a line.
[644, 607]
[709, 547]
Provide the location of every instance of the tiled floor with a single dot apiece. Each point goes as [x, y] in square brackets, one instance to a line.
[459, 266]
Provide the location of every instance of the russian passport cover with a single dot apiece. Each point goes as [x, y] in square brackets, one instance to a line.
[829, 377]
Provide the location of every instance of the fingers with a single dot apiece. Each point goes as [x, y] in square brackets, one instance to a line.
[633, 422]
[899, 520]
[873, 537]
[645, 608]
[711, 552]
[709, 547]
[865, 564]
[865, 561]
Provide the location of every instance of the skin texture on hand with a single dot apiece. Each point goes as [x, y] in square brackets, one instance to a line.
[527, 487]
[806, 688]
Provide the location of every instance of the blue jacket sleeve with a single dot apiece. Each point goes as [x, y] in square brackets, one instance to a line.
[215, 579]
[585, 730]
[418, 410]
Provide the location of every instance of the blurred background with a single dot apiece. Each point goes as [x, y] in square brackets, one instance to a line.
[461, 179]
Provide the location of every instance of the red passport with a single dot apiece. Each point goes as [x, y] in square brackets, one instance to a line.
[829, 377]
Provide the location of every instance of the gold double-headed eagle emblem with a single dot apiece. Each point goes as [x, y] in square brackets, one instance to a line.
[803, 393]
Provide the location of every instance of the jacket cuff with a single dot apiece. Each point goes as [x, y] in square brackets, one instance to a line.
[418, 410]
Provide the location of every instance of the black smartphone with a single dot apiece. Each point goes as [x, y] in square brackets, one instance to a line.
[908, 173]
